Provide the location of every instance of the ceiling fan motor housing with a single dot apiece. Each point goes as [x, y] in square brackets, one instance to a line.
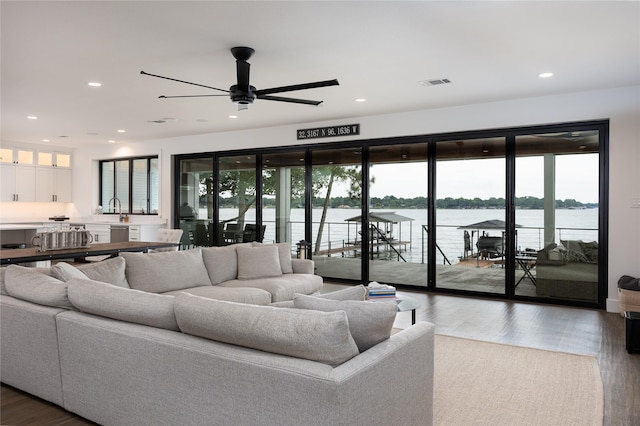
[240, 96]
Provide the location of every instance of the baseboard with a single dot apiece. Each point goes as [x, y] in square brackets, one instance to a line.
[613, 305]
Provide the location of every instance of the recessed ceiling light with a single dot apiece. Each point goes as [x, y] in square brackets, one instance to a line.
[94, 84]
[545, 75]
[121, 131]
[32, 117]
[233, 116]
[360, 100]
[112, 141]
[45, 140]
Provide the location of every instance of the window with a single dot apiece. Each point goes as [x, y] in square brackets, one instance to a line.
[134, 182]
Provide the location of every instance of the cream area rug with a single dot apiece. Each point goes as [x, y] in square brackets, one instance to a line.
[480, 383]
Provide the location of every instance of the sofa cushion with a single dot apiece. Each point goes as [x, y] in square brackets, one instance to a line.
[124, 304]
[110, 271]
[3, 269]
[221, 263]
[254, 296]
[283, 287]
[357, 292]
[369, 322]
[284, 255]
[319, 336]
[258, 262]
[34, 286]
[165, 271]
[64, 272]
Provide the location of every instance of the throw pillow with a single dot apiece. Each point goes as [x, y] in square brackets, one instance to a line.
[110, 271]
[124, 304]
[258, 262]
[318, 336]
[221, 263]
[64, 272]
[165, 271]
[34, 286]
[357, 292]
[284, 254]
[369, 322]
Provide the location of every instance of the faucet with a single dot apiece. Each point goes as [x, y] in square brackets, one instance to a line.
[114, 199]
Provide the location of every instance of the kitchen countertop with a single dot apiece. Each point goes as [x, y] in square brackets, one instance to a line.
[17, 224]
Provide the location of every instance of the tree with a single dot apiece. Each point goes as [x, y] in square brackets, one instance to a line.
[325, 177]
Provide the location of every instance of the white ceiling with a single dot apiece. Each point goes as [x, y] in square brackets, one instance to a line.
[377, 50]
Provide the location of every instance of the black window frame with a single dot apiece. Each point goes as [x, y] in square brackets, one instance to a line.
[130, 160]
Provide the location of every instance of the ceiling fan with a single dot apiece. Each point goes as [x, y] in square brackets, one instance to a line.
[243, 93]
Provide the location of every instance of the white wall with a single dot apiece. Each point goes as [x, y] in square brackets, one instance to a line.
[621, 106]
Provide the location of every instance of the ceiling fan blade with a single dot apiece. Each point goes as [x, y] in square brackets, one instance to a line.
[317, 84]
[188, 96]
[242, 72]
[182, 81]
[291, 100]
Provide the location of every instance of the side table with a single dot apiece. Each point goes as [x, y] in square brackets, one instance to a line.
[632, 325]
[406, 303]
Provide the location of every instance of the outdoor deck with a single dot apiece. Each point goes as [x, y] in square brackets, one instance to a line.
[482, 279]
[349, 249]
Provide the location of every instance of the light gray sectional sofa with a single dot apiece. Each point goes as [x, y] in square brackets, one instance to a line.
[159, 355]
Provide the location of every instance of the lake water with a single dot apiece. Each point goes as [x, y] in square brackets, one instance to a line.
[579, 224]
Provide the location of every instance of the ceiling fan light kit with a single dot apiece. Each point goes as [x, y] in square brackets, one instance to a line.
[243, 93]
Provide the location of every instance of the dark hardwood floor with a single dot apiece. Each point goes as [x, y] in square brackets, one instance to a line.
[582, 331]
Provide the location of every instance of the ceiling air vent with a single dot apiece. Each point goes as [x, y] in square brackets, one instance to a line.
[435, 82]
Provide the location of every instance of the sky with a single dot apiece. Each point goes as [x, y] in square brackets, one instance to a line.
[576, 178]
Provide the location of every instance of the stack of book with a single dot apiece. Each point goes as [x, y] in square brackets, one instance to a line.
[379, 291]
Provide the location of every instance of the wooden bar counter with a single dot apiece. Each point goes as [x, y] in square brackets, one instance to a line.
[13, 256]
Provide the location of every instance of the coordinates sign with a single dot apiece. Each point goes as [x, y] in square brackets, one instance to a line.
[329, 132]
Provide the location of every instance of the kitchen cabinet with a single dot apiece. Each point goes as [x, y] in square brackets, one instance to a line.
[101, 233]
[146, 232]
[53, 184]
[20, 156]
[18, 183]
[29, 175]
[53, 159]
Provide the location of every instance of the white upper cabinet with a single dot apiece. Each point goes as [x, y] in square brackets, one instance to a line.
[23, 157]
[54, 159]
[30, 175]
[53, 185]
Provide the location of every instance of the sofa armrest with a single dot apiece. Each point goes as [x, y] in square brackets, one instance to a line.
[303, 266]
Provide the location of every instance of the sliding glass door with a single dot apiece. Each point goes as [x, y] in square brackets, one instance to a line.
[471, 215]
[398, 229]
[283, 197]
[336, 202]
[557, 184]
[195, 195]
[516, 213]
[237, 197]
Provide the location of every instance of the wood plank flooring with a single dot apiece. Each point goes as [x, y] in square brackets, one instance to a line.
[581, 331]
